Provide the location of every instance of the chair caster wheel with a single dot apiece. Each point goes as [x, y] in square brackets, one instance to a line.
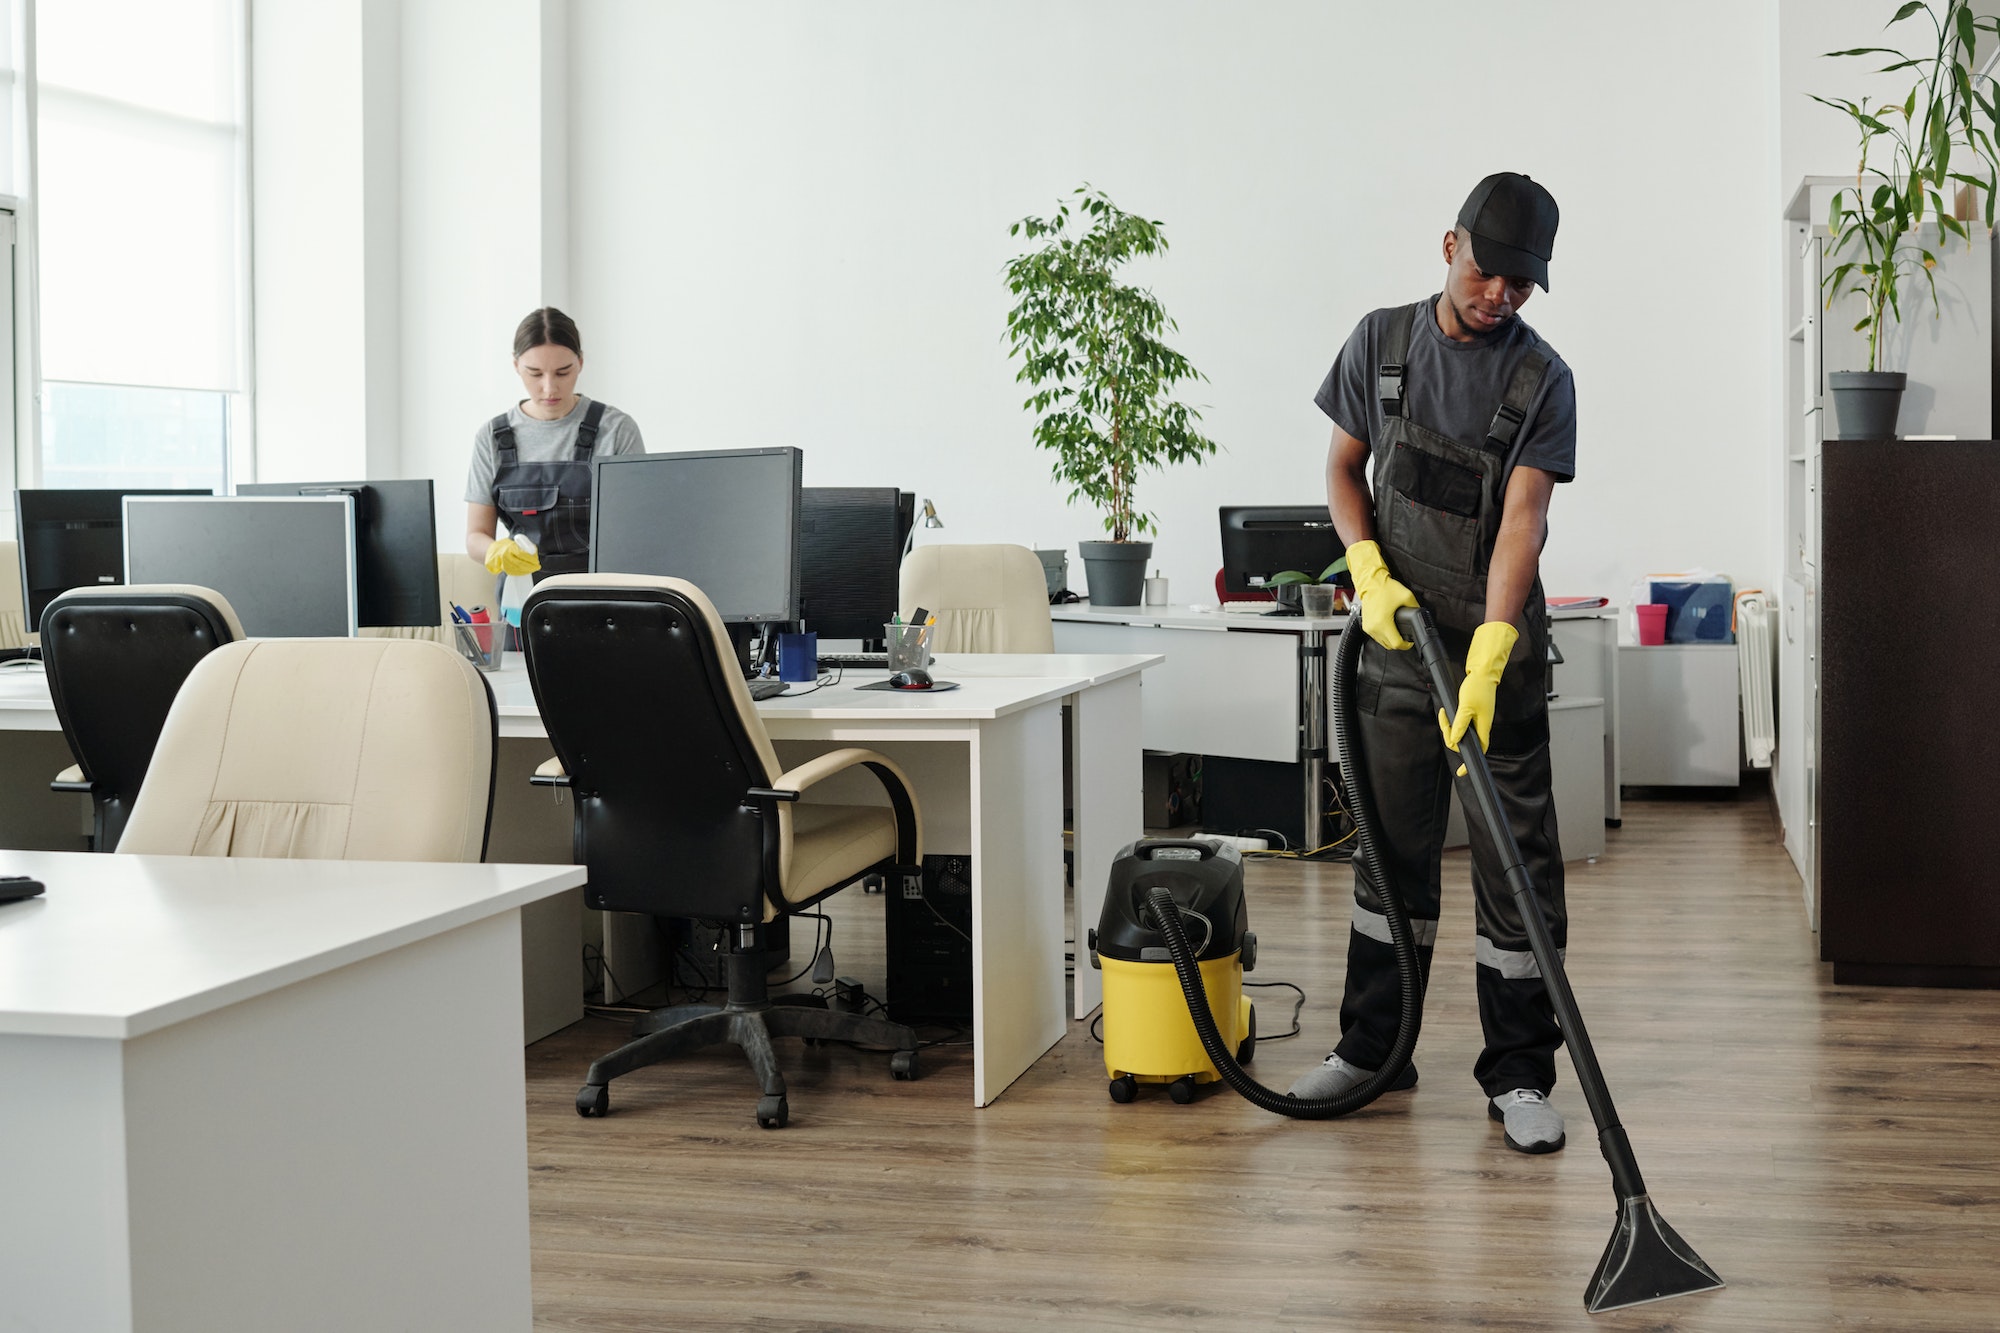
[903, 1066]
[1181, 1090]
[773, 1112]
[1124, 1088]
[594, 1100]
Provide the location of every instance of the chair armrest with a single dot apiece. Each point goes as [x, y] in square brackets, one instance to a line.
[909, 839]
[70, 779]
[550, 774]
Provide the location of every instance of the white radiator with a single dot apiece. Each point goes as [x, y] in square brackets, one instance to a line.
[1756, 664]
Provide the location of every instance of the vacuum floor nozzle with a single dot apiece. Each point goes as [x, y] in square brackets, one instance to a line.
[1646, 1261]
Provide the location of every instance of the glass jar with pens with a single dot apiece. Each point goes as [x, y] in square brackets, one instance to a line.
[909, 645]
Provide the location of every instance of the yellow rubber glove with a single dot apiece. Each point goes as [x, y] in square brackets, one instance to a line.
[507, 556]
[1381, 596]
[1484, 663]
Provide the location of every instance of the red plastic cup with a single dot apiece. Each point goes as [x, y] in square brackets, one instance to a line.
[1652, 623]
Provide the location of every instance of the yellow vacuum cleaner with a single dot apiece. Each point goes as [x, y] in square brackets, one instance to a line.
[1149, 1036]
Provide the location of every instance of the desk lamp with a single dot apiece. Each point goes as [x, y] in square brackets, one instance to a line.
[930, 520]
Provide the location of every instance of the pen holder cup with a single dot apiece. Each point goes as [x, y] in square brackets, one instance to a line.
[484, 645]
[909, 647]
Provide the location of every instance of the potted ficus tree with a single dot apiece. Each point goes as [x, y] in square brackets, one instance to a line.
[1090, 346]
[1906, 172]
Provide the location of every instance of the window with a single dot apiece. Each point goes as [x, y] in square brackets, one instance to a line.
[140, 184]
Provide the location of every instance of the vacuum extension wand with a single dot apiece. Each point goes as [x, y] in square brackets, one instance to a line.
[1166, 917]
[1646, 1260]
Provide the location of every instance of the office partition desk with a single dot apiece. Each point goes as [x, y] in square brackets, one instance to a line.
[216, 1110]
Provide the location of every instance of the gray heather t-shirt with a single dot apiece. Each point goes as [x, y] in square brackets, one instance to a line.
[1453, 388]
[547, 442]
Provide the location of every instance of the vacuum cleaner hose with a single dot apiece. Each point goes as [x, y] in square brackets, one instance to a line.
[1368, 855]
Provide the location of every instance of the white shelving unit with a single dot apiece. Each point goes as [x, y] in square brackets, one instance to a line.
[1947, 349]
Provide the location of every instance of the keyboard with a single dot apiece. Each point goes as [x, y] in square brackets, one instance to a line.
[854, 660]
[765, 689]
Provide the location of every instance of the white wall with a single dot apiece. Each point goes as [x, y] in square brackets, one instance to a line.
[785, 223]
[789, 222]
[307, 271]
[473, 150]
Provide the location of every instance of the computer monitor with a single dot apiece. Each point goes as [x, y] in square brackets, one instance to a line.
[850, 556]
[285, 563]
[1261, 540]
[395, 546]
[71, 539]
[726, 520]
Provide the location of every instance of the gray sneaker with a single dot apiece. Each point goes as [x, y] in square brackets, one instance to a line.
[1336, 1076]
[1532, 1124]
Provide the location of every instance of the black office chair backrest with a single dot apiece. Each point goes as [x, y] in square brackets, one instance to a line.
[115, 659]
[646, 708]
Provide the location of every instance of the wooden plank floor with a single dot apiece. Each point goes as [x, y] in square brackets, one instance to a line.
[1833, 1152]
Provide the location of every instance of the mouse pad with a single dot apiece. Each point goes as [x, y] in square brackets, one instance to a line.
[937, 687]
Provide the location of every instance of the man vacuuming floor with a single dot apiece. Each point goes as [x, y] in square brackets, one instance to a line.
[1467, 420]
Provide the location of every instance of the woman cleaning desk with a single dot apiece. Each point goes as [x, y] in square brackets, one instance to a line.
[531, 464]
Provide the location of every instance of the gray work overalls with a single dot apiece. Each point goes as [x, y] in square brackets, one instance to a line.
[548, 503]
[1437, 515]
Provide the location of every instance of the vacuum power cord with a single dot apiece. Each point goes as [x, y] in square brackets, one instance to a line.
[1166, 914]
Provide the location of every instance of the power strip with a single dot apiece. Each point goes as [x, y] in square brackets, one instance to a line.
[1240, 844]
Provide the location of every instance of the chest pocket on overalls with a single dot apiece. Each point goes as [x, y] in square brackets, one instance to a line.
[537, 500]
[1437, 497]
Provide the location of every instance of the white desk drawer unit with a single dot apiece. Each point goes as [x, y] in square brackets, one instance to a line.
[1678, 723]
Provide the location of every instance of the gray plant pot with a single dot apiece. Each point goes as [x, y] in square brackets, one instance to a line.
[1866, 402]
[1114, 573]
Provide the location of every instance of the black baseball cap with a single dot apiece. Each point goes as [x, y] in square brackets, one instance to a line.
[1513, 226]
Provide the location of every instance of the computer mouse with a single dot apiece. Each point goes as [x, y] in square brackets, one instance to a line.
[916, 678]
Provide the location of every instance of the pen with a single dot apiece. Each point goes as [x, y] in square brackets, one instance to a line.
[458, 614]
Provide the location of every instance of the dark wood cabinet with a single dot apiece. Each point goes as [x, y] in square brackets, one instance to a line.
[1909, 712]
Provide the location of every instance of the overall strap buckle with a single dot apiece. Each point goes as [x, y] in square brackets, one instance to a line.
[1395, 350]
[1389, 387]
[1523, 386]
[503, 441]
[1506, 424]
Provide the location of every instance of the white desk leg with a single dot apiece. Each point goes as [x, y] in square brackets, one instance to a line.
[1107, 809]
[1017, 896]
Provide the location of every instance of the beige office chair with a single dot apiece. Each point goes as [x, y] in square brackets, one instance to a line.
[13, 614]
[334, 749]
[987, 599]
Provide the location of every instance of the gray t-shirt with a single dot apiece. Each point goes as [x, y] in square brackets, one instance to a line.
[1453, 388]
[547, 442]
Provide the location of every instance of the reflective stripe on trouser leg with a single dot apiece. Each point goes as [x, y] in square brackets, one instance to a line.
[1514, 1010]
[1404, 765]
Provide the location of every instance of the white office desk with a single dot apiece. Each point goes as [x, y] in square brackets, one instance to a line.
[216, 1112]
[986, 764]
[1256, 687]
[1246, 686]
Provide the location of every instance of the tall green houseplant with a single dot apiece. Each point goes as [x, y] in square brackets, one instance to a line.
[1091, 348]
[1909, 146]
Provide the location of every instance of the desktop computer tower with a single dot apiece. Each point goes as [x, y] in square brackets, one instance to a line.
[929, 936]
